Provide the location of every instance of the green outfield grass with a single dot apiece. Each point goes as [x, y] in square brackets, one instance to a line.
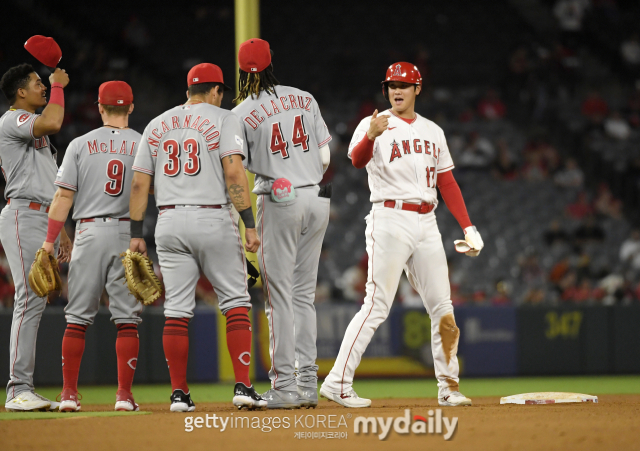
[379, 389]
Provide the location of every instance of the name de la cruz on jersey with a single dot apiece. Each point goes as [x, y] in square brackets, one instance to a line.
[156, 134]
[286, 102]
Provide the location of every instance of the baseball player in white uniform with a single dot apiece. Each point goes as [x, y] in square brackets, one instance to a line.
[288, 151]
[406, 157]
[194, 154]
[28, 163]
[96, 171]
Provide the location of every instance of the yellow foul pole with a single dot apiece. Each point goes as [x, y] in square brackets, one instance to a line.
[247, 24]
[247, 21]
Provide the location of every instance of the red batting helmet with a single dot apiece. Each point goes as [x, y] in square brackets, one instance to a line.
[405, 72]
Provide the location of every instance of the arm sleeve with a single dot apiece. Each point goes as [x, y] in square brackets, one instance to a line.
[68, 172]
[231, 137]
[362, 152]
[146, 155]
[358, 136]
[319, 126]
[20, 125]
[453, 198]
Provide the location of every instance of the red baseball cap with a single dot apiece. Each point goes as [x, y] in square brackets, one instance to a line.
[254, 55]
[206, 73]
[116, 93]
[44, 49]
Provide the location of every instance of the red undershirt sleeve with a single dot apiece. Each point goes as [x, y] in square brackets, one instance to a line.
[362, 152]
[453, 198]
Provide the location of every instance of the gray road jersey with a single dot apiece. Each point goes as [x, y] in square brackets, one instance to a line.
[98, 166]
[284, 133]
[183, 148]
[28, 164]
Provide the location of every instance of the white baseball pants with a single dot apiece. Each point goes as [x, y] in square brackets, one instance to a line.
[400, 240]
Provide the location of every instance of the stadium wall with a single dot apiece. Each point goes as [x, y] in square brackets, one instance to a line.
[499, 341]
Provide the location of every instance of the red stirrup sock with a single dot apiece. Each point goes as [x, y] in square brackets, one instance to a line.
[127, 346]
[239, 343]
[72, 350]
[175, 340]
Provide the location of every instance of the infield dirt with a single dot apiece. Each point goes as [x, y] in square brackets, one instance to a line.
[612, 424]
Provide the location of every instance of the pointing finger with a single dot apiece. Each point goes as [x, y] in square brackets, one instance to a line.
[375, 114]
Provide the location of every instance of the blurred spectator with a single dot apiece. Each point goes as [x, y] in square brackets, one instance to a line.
[630, 50]
[502, 295]
[594, 107]
[555, 234]
[534, 296]
[582, 292]
[570, 14]
[491, 107]
[581, 207]
[136, 33]
[588, 232]
[616, 126]
[534, 169]
[605, 204]
[530, 271]
[571, 176]
[630, 250]
[632, 111]
[504, 167]
[478, 153]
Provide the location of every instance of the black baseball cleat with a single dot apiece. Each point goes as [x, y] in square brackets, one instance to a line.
[181, 402]
[247, 397]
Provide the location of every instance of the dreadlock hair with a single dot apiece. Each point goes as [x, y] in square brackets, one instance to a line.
[252, 83]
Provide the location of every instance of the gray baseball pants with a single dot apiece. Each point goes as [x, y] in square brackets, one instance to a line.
[291, 235]
[22, 232]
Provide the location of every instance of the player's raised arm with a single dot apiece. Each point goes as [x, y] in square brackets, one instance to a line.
[50, 121]
[238, 186]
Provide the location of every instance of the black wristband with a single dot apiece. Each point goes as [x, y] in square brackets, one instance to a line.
[247, 218]
[136, 229]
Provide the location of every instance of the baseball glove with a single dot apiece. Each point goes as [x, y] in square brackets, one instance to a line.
[140, 277]
[44, 277]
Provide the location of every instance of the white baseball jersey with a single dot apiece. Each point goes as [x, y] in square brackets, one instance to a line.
[98, 166]
[284, 133]
[406, 159]
[183, 148]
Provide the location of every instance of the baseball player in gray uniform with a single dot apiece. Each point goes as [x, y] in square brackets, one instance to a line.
[29, 167]
[288, 152]
[194, 154]
[96, 170]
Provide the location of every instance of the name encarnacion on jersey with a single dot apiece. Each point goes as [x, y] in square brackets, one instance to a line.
[299, 102]
[156, 134]
[96, 147]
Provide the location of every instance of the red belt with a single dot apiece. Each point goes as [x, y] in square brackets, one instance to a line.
[94, 219]
[421, 209]
[171, 207]
[33, 206]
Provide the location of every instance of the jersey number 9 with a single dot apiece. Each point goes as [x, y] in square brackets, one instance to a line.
[115, 174]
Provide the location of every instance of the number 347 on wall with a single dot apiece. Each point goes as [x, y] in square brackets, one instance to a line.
[565, 324]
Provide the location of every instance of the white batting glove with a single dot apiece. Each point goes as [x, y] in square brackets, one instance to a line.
[472, 243]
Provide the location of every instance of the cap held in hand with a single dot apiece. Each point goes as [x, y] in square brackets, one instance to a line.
[254, 55]
[116, 93]
[205, 73]
[44, 49]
